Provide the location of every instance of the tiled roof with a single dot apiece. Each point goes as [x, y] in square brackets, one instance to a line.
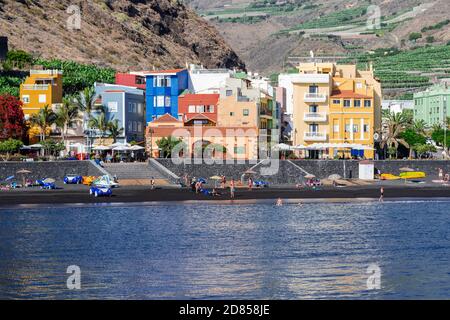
[348, 94]
[200, 116]
[166, 118]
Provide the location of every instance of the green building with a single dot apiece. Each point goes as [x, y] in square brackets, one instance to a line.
[432, 105]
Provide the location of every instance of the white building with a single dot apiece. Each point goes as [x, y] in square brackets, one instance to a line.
[285, 80]
[397, 106]
[206, 81]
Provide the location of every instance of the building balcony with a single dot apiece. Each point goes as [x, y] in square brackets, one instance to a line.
[315, 117]
[315, 136]
[315, 97]
[311, 78]
[36, 87]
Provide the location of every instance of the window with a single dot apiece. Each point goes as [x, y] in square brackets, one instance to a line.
[112, 106]
[313, 127]
[359, 85]
[355, 128]
[42, 98]
[357, 103]
[336, 101]
[366, 128]
[313, 89]
[26, 99]
[367, 103]
[313, 109]
[140, 108]
[162, 81]
[200, 109]
[231, 114]
[347, 128]
[167, 102]
[191, 109]
[245, 112]
[130, 107]
[229, 93]
[160, 101]
[134, 126]
[336, 128]
[239, 150]
[130, 126]
[347, 103]
[139, 126]
[211, 108]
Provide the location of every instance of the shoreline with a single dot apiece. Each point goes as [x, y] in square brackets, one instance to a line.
[78, 196]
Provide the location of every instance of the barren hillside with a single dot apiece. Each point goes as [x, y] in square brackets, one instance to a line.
[125, 34]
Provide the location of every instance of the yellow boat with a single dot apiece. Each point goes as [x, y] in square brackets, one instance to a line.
[413, 175]
[389, 176]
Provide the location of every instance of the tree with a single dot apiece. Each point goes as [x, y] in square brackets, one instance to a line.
[422, 149]
[414, 36]
[413, 137]
[66, 116]
[167, 144]
[441, 137]
[52, 147]
[9, 147]
[43, 120]
[18, 59]
[12, 124]
[114, 130]
[99, 123]
[86, 101]
[396, 125]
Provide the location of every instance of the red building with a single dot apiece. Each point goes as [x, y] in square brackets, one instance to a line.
[131, 80]
[198, 107]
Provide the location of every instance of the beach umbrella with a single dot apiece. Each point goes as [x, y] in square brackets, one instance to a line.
[310, 176]
[23, 172]
[136, 148]
[102, 148]
[282, 147]
[215, 178]
[119, 144]
[121, 148]
[299, 147]
[49, 180]
[406, 169]
[250, 171]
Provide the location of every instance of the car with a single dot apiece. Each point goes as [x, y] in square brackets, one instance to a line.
[73, 179]
[260, 184]
[100, 191]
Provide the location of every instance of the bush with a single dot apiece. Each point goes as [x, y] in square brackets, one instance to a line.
[414, 36]
[430, 39]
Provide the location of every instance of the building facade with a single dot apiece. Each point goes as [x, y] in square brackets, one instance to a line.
[433, 105]
[162, 91]
[132, 79]
[41, 88]
[335, 106]
[125, 104]
[199, 108]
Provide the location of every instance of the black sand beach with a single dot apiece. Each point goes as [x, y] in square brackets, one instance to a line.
[80, 194]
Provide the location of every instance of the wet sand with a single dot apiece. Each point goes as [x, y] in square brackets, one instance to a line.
[80, 194]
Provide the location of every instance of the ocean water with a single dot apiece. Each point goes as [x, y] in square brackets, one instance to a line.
[246, 251]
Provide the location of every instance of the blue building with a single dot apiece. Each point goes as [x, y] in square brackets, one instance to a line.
[125, 104]
[163, 89]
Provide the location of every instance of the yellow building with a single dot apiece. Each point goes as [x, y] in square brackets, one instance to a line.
[41, 88]
[337, 108]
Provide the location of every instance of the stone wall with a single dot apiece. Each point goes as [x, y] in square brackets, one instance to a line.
[291, 172]
[51, 169]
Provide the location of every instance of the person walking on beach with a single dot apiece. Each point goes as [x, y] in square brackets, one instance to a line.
[441, 174]
[223, 182]
[250, 184]
[232, 189]
[279, 202]
[381, 195]
[152, 183]
[186, 180]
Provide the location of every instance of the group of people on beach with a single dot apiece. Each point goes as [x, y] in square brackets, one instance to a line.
[444, 178]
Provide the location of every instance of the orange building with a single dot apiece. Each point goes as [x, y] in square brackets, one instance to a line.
[41, 88]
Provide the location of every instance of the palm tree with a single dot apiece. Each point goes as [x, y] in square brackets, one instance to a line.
[67, 115]
[100, 123]
[396, 124]
[114, 130]
[420, 126]
[85, 101]
[43, 120]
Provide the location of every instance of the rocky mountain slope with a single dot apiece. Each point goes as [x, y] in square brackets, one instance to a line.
[265, 33]
[124, 34]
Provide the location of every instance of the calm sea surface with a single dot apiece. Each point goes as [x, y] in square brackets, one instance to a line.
[204, 251]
